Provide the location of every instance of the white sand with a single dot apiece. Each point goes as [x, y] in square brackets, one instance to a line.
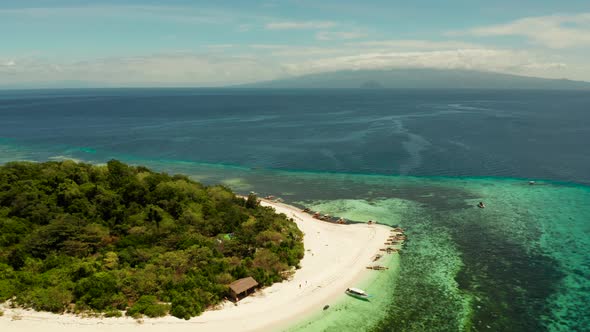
[336, 257]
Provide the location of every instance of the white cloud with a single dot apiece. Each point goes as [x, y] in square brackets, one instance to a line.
[470, 59]
[270, 61]
[339, 35]
[544, 66]
[555, 31]
[361, 47]
[268, 46]
[182, 69]
[416, 44]
[220, 46]
[298, 25]
[284, 52]
[176, 14]
[244, 28]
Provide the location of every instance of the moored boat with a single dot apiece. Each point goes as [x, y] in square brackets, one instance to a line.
[357, 293]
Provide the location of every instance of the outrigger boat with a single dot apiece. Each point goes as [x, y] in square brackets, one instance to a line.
[357, 293]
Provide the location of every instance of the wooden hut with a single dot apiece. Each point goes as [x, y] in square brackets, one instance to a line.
[242, 287]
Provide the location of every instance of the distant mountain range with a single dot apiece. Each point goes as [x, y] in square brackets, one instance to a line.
[420, 79]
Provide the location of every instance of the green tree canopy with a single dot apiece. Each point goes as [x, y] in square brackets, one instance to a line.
[77, 237]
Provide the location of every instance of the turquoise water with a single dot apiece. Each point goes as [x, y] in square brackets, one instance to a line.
[350, 314]
[520, 264]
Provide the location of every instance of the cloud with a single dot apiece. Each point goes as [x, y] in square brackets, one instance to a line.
[300, 25]
[469, 59]
[181, 69]
[220, 46]
[284, 52]
[361, 47]
[176, 14]
[544, 66]
[555, 31]
[244, 28]
[339, 35]
[260, 62]
[416, 44]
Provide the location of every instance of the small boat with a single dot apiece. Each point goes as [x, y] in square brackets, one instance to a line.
[377, 267]
[481, 205]
[357, 293]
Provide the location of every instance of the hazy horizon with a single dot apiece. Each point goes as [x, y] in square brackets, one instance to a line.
[434, 79]
[194, 43]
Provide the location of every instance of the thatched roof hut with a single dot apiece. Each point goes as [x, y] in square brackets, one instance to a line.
[242, 287]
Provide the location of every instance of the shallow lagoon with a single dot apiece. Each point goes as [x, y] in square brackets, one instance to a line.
[518, 264]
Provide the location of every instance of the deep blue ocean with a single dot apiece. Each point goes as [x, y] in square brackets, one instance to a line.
[416, 158]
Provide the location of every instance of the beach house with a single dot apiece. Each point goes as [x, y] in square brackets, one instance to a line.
[242, 287]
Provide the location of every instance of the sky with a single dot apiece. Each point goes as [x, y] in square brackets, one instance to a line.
[216, 43]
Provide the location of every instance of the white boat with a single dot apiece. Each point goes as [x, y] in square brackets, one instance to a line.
[357, 293]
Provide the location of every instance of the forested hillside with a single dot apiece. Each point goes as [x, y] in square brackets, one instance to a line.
[76, 237]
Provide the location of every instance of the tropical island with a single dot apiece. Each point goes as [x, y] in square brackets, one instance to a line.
[90, 246]
[106, 239]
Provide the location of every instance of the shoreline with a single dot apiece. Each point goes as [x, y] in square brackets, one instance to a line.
[335, 258]
[346, 312]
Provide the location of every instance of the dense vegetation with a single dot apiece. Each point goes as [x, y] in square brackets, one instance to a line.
[76, 237]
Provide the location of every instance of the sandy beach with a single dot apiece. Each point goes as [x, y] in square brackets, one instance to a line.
[336, 257]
